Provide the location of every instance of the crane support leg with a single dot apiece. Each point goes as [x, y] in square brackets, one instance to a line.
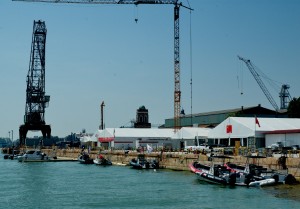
[23, 130]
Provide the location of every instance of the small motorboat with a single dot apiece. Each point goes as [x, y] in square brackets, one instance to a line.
[84, 158]
[11, 157]
[215, 173]
[142, 163]
[259, 176]
[33, 156]
[100, 160]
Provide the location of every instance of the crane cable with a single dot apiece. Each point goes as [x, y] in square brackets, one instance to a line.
[240, 76]
[191, 63]
[136, 15]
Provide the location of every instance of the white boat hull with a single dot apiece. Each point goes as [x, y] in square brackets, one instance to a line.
[265, 182]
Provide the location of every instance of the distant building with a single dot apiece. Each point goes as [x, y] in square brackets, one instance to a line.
[142, 118]
[5, 142]
[212, 119]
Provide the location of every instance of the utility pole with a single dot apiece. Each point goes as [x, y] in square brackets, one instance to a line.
[102, 112]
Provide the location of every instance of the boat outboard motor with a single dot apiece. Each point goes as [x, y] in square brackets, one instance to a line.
[232, 179]
[248, 178]
[147, 165]
[290, 179]
[276, 177]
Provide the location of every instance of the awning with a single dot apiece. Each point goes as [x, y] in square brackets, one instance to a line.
[105, 139]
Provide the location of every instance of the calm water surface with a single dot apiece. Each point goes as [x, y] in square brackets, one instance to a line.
[73, 185]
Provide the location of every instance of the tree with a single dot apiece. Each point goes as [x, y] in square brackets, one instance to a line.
[293, 110]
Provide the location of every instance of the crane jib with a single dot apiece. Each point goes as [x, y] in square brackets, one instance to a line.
[107, 1]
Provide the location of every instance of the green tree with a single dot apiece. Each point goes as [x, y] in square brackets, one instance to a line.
[293, 110]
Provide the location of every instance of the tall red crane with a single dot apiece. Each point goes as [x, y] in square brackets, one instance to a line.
[177, 5]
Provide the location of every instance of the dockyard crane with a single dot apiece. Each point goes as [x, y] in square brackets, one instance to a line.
[36, 100]
[284, 94]
[177, 5]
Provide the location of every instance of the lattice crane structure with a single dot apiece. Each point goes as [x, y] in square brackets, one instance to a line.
[177, 5]
[284, 94]
[36, 100]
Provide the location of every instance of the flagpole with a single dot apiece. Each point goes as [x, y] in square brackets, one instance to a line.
[255, 131]
[229, 133]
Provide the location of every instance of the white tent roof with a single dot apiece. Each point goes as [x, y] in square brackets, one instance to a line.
[85, 138]
[243, 127]
[96, 135]
[191, 133]
[135, 133]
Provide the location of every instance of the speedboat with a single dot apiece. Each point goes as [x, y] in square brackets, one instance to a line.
[33, 156]
[84, 158]
[256, 175]
[217, 173]
[100, 160]
[142, 163]
[12, 154]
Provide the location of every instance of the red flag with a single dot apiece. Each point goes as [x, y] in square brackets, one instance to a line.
[229, 129]
[256, 121]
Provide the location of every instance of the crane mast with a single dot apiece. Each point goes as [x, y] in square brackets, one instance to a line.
[36, 100]
[285, 96]
[177, 5]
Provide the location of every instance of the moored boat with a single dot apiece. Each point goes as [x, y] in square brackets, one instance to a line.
[100, 160]
[260, 176]
[217, 174]
[84, 158]
[142, 163]
[33, 156]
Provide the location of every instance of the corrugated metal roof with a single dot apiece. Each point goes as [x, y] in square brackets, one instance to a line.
[218, 112]
[283, 131]
[139, 132]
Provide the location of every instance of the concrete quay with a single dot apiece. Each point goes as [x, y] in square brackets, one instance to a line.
[180, 160]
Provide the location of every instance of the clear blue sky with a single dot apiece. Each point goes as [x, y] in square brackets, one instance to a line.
[98, 53]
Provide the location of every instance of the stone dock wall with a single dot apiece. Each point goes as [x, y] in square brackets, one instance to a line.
[180, 160]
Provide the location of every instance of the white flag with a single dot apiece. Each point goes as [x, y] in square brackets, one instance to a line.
[149, 148]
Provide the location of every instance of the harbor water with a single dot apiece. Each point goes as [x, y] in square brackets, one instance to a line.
[73, 185]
